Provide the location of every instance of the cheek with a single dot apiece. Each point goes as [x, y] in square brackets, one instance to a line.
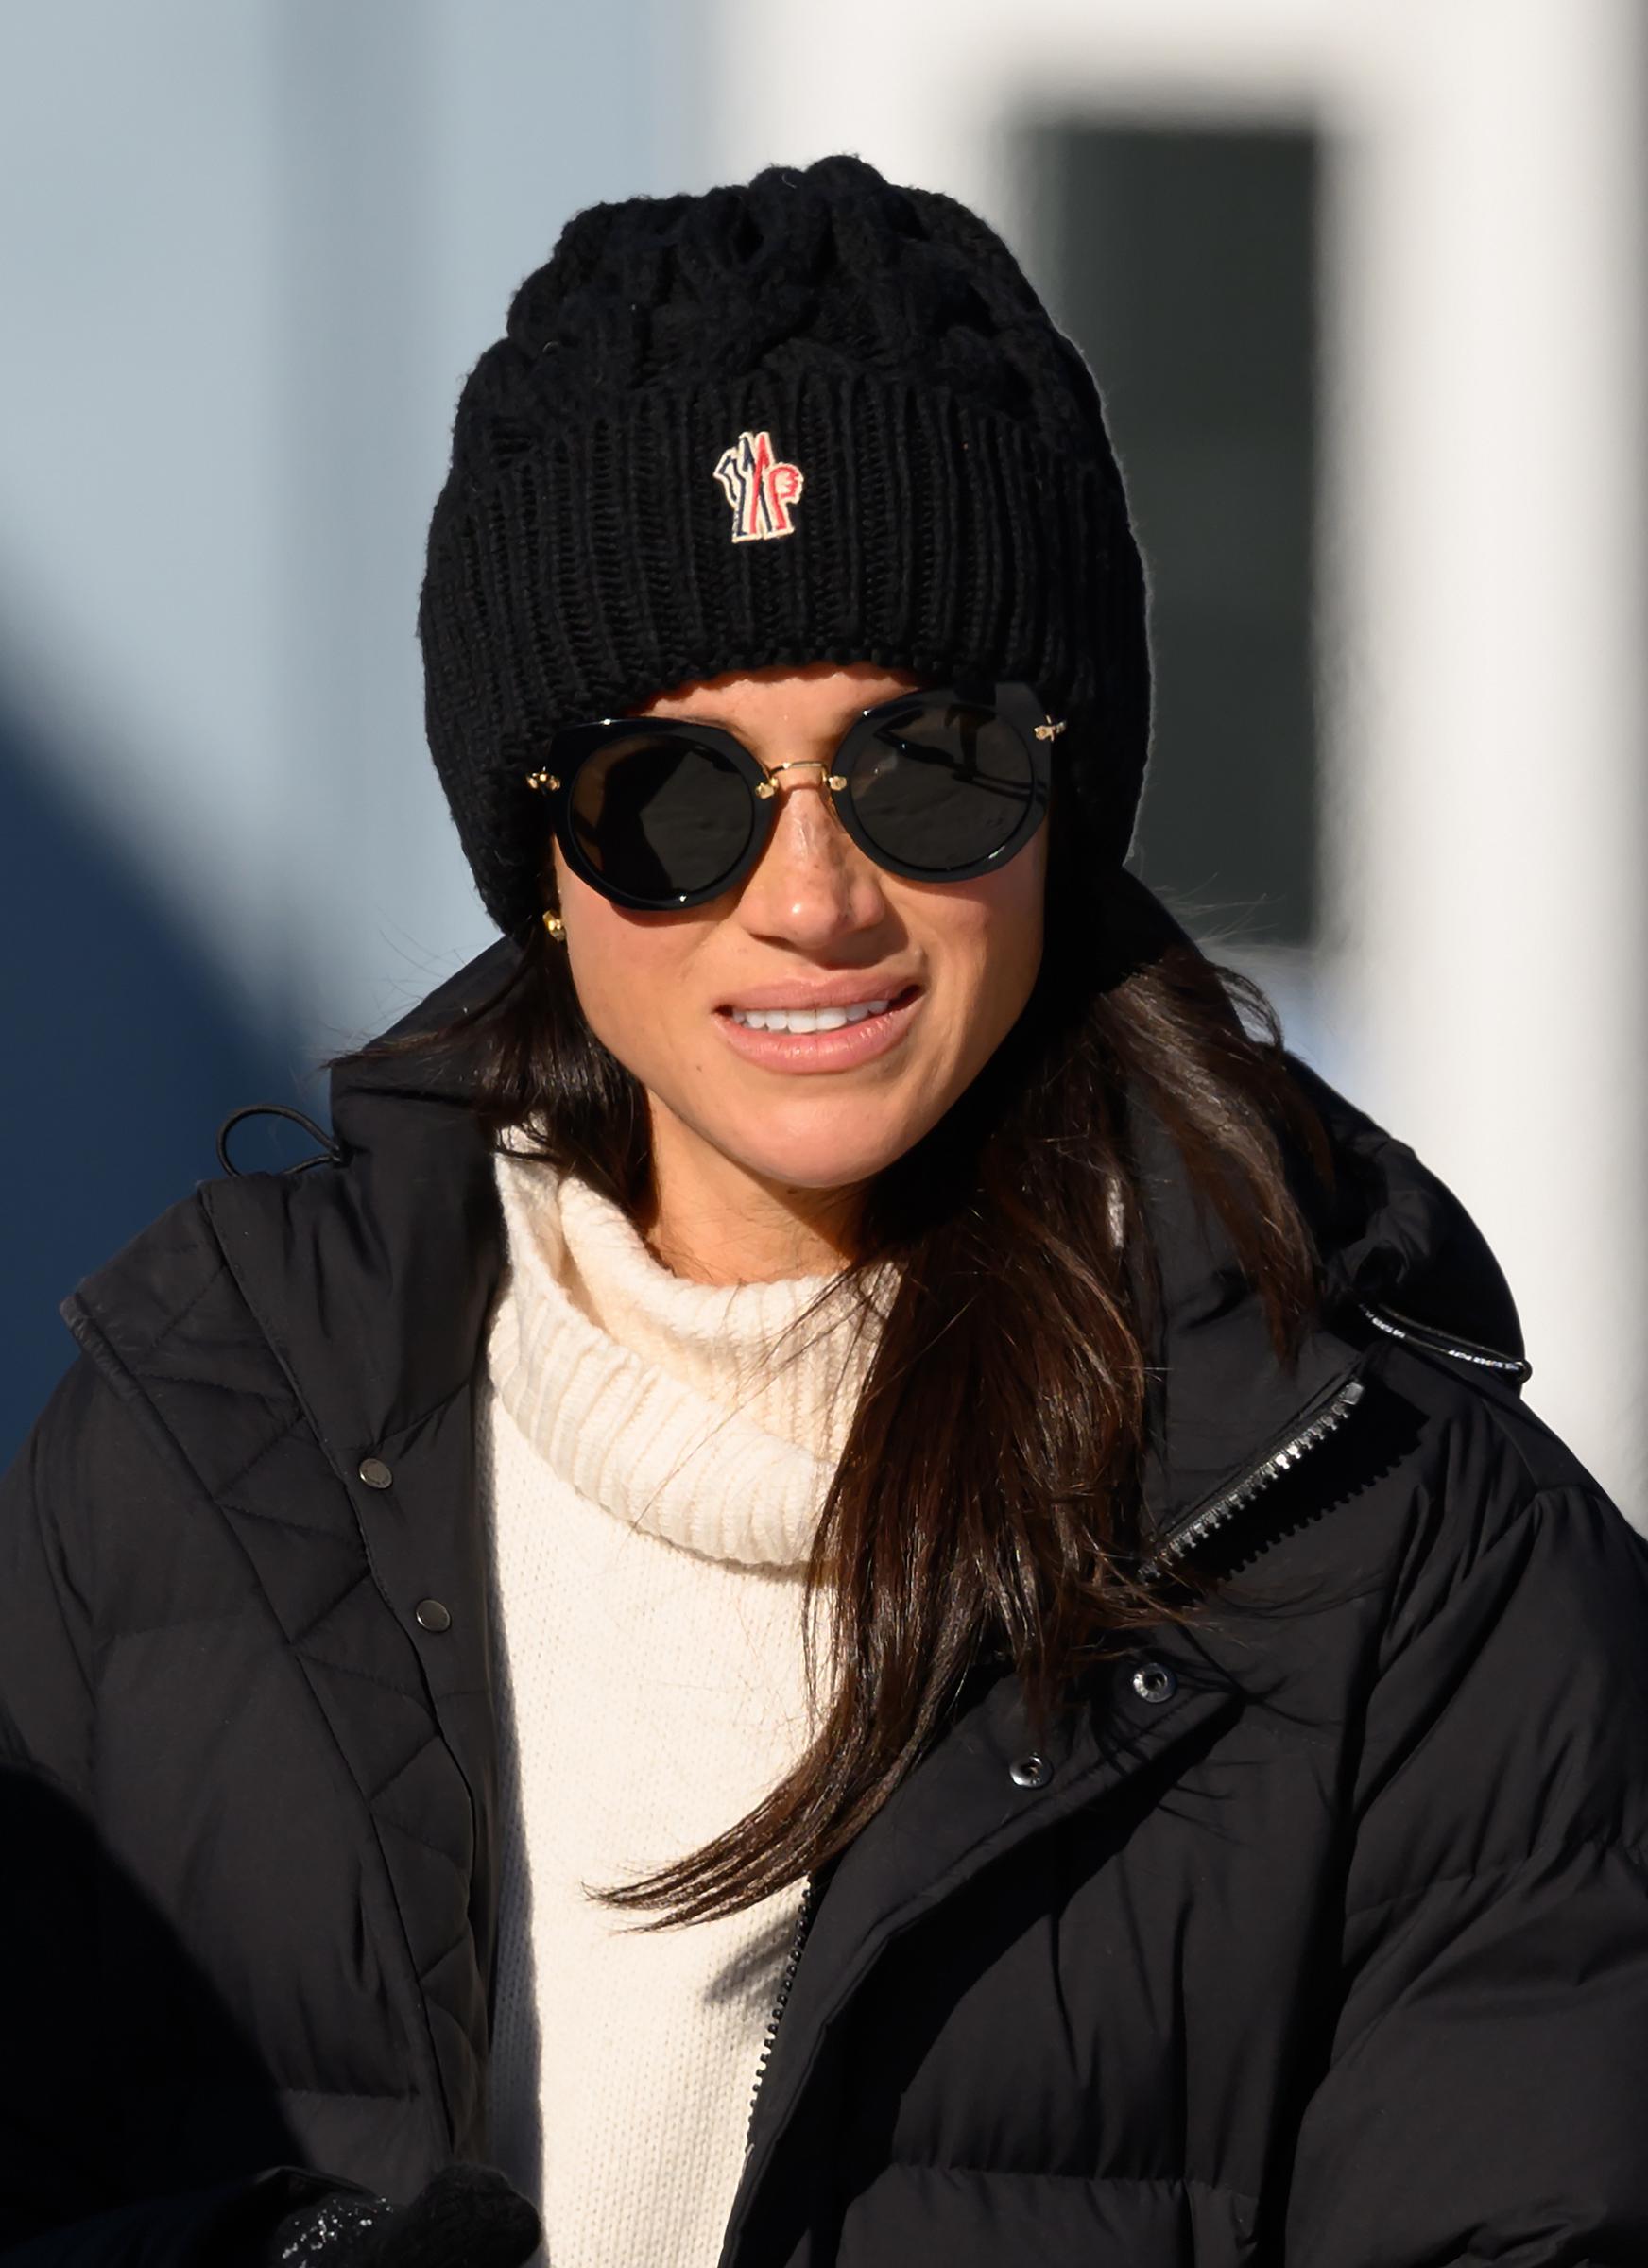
[1018, 941]
[992, 938]
[627, 972]
[625, 1004]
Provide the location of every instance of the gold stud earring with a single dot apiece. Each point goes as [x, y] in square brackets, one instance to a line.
[555, 926]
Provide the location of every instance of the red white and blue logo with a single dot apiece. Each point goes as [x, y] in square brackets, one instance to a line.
[758, 486]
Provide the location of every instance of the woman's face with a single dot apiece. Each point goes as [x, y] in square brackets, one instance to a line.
[816, 923]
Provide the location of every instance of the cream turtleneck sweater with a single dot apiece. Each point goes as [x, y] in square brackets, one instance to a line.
[654, 1480]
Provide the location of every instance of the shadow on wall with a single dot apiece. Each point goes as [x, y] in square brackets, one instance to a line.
[124, 1054]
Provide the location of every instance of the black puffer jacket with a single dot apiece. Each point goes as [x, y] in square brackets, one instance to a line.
[1317, 1936]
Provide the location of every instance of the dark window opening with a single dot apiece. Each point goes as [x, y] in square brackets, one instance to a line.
[1182, 261]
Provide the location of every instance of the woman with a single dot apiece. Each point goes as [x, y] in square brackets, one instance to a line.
[843, 1473]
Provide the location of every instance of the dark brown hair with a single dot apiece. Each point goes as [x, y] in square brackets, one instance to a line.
[985, 1505]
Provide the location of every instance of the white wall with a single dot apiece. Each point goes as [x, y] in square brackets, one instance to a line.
[1484, 972]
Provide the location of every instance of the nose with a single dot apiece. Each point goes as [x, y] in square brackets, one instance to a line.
[811, 884]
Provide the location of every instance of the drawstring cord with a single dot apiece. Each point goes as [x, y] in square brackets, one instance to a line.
[331, 1152]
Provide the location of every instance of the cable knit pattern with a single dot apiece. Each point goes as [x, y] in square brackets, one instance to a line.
[654, 1473]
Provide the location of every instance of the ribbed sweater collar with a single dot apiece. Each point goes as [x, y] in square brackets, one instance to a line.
[670, 1404]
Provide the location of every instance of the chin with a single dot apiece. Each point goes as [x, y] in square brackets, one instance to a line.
[839, 1154]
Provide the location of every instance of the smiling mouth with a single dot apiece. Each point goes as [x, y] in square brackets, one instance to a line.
[818, 1019]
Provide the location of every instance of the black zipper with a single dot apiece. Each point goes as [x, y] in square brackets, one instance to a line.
[1324, 1419]
[1329, 1416]
[803, 1923]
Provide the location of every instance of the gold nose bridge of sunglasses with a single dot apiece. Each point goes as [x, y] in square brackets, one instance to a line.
[769, 787]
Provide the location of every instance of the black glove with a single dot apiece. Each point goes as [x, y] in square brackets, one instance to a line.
[467, 2217]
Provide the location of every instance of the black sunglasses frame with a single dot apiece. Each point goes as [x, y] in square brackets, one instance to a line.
[1018, 705]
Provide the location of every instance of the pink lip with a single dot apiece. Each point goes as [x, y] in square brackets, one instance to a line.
[844, 992]
[839, 1049]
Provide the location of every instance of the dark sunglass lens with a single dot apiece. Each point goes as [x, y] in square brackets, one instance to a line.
[660, 816]
[942, 784]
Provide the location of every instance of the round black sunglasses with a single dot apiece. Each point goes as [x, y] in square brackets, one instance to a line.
[938, 786]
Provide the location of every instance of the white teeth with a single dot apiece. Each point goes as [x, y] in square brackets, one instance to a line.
[808, 1020]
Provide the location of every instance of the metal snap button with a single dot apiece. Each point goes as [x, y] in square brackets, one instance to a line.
[375, 1473]
[432, 1615]
[1030, 1772]
[1152, 1681]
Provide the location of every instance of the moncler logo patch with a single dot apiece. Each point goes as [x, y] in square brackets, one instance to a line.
[760, 489]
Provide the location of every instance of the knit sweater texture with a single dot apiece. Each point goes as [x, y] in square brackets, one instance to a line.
[654, 1472]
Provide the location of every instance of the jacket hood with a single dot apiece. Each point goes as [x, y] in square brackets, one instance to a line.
[373, 1274]
[1398, 1251]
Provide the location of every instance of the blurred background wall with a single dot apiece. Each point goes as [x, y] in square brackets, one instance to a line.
[1363, 285]
[247, 254]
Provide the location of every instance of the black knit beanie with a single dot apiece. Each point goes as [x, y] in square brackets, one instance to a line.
[816, 417]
